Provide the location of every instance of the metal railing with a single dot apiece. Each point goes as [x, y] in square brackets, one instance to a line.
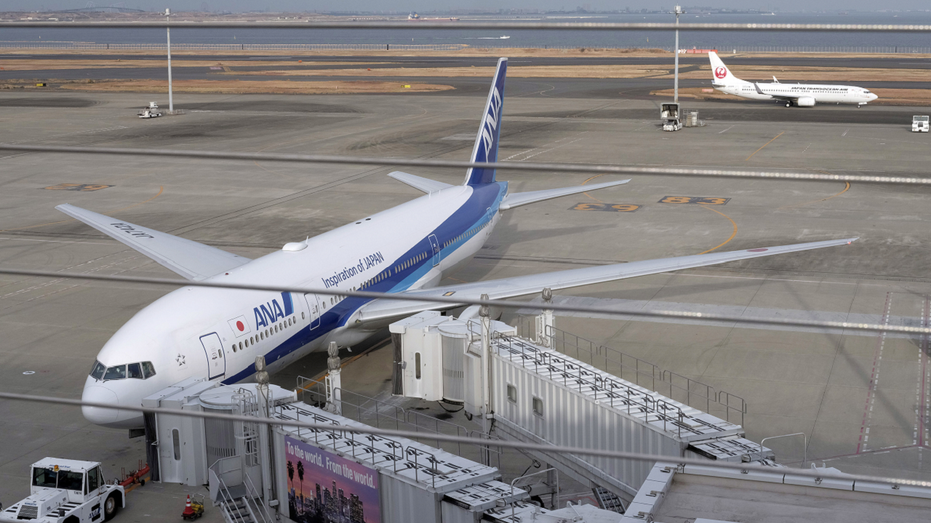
[635, 370]
[253, 495]
[618, 395]
[380, 414]
[94, 46]
[343, 438]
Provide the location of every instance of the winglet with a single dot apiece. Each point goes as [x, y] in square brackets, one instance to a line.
[486, 142]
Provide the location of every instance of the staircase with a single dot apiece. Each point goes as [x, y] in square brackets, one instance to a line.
[608, 500]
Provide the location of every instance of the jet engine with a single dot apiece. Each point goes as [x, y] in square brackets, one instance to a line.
[805, 101]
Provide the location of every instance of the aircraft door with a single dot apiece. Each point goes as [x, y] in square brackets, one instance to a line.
[216, 360]
[314, 309]
[436, 249]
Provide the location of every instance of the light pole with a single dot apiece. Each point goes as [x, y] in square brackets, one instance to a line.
[675, 98]
[171, 105]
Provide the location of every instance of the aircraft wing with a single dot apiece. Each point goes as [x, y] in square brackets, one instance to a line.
[192, 260]
[383, 310]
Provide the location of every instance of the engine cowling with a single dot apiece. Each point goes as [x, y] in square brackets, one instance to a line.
[805, 101]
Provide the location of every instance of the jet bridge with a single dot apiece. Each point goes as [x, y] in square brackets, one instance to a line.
[538, 395]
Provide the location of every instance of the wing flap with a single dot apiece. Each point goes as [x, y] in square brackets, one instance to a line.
[523, 198]
[386, 309]
[192, 260]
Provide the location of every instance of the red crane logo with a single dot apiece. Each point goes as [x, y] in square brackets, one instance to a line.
[720, 72]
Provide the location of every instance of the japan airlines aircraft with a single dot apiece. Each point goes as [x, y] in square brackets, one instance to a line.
[790, 94]
[216, 334]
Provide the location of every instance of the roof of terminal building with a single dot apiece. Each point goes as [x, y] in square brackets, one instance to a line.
[402, 458]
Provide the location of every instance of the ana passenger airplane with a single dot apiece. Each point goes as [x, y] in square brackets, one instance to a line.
[790, 94]
[216, 334]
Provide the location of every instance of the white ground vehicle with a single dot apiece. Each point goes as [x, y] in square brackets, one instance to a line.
[151, 111]
[920, 123]
[67, 491]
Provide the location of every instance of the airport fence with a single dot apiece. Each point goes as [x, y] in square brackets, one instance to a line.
[816, 49]
[92, 46]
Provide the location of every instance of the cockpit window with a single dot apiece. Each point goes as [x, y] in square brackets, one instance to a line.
[98, 370]
[139, 371]
[115, 373]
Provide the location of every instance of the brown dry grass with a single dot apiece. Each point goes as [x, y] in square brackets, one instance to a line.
[917, 97]
[22, 65]
[255, 87]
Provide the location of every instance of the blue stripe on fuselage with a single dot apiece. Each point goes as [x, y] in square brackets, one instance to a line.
[478, 210]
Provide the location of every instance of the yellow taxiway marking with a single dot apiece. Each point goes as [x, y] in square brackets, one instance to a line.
[722, 244]
[764, 145]
[161, 189]
[588, 180]
[820, 200]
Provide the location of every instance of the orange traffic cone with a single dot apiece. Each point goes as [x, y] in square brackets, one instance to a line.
[188, 510]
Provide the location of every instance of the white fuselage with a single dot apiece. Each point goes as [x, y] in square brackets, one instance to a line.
[819, 93]
[217, 334]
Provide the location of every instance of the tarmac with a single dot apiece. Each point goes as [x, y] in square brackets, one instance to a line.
[824, 384]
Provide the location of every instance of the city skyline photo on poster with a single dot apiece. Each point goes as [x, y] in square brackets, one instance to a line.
[326, 488]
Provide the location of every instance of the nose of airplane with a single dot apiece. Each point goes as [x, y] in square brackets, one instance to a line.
[98, 415]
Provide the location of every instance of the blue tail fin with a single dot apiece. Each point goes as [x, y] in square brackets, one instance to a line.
[486, 143]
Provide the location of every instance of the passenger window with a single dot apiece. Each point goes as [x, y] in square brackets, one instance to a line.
[115, 373]
[233, 347]
[148, 369]
[98, 370]
[135, 371]
[240, 345]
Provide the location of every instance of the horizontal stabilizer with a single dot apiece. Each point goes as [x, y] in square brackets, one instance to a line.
[384, 310]
[523, 198]
[421, 184]
[192, 260]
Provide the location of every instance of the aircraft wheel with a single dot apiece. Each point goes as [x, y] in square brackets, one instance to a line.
[788, 104]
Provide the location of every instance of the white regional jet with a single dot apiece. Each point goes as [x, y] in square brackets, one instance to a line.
[790, 94]
[217, 333]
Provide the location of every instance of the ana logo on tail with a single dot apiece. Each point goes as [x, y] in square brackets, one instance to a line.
[720, 72]
[491, 121]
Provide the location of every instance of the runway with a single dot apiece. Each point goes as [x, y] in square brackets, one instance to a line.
[818, 383]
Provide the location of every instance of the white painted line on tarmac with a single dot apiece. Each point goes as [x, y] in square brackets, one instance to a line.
[845, 132]
[725, 130]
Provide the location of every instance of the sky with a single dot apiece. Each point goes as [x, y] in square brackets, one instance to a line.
[430, 5]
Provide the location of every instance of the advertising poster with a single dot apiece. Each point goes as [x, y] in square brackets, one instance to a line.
[325, 488]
